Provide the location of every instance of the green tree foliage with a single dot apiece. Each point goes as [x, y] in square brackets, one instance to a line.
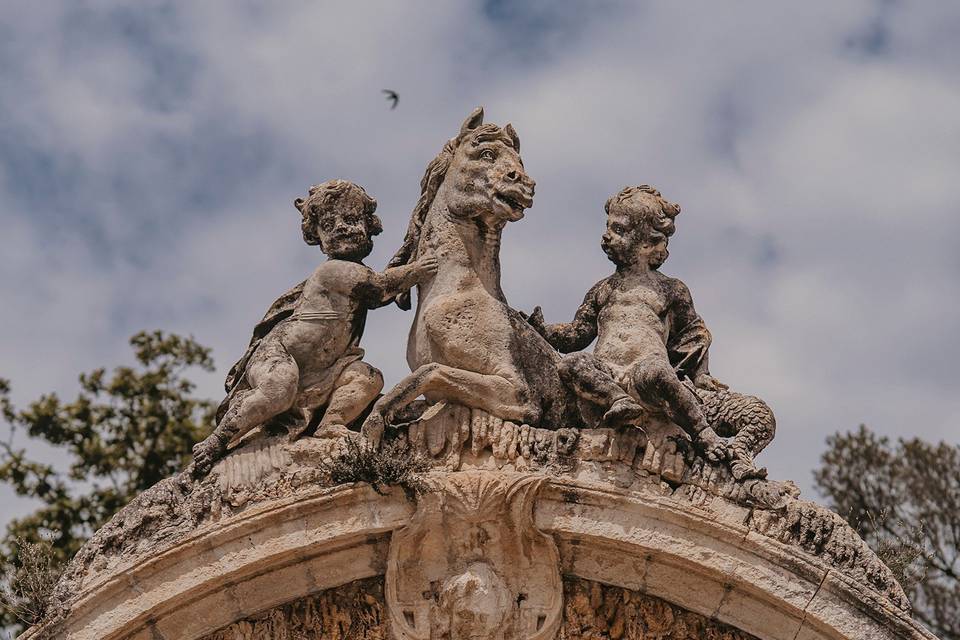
[125, 431]
[904, 498]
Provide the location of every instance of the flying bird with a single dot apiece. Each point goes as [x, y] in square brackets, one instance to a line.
[392, 95]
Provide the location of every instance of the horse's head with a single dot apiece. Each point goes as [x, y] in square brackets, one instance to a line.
[485, 179]
[478, 175]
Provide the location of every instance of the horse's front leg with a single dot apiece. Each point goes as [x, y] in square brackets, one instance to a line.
[494, 394]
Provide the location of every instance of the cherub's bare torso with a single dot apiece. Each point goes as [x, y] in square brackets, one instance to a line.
[323, 326]
[633, 322]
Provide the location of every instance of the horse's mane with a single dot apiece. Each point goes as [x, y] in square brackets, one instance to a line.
[429, 185]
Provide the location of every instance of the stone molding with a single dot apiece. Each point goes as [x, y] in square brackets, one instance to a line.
[698, 558]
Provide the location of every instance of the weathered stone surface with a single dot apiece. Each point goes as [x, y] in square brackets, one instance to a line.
[467, 345]
[594, 611]
[651, 345]
[454, 438]
[706, 559]
[472, 564]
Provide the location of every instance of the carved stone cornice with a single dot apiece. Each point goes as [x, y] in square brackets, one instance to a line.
[596, 505]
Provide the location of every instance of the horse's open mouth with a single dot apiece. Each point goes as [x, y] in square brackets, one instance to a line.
[517, 203]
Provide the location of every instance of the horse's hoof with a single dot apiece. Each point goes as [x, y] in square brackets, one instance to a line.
[373, 428]
[625, 410]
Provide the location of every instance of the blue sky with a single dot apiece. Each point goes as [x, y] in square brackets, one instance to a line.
[150, 152]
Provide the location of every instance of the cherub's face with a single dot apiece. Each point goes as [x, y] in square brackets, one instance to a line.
[343, 231]
[626, 240]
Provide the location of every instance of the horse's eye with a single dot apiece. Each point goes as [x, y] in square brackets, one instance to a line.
[488, 154]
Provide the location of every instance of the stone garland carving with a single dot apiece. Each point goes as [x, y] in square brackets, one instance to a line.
[591, 611]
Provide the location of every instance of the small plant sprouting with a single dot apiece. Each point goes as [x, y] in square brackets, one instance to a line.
[394, 463]
[29, 583]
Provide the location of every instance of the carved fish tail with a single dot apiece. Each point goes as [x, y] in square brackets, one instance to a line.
[748, 419]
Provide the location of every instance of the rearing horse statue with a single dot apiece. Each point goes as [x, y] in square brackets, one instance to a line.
[466, 344]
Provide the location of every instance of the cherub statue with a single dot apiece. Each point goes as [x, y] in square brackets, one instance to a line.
[305, 353]
[651, 344]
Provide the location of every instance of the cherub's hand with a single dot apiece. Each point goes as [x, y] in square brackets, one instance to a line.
[535, 319]
[708, 382]
[206, 453]
[427, 266]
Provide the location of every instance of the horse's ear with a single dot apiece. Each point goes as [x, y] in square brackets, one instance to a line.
[474, 120]
[510, 131]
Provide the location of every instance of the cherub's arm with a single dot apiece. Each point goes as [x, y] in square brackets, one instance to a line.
[576, 335]
[379, 289]
[689, 340]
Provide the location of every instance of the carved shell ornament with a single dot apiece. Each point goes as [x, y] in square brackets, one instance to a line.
[471, 563]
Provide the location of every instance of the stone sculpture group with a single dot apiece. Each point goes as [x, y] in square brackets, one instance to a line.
[626, 472]
[467, 346]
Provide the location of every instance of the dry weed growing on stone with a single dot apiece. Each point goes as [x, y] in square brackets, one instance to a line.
[393, 464]
[31, 580]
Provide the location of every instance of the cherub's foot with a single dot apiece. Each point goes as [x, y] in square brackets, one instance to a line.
[373, 428]
[333, 431]
[622, 411]
[206, 453]
[714, 448]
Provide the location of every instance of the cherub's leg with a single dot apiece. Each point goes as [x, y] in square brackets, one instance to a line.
[584, 373]
[658, 384]
[355, 389]
[493, 394]
[273, 382]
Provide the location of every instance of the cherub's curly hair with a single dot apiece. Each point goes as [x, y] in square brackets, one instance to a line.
[659, 224]
[320, 201]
